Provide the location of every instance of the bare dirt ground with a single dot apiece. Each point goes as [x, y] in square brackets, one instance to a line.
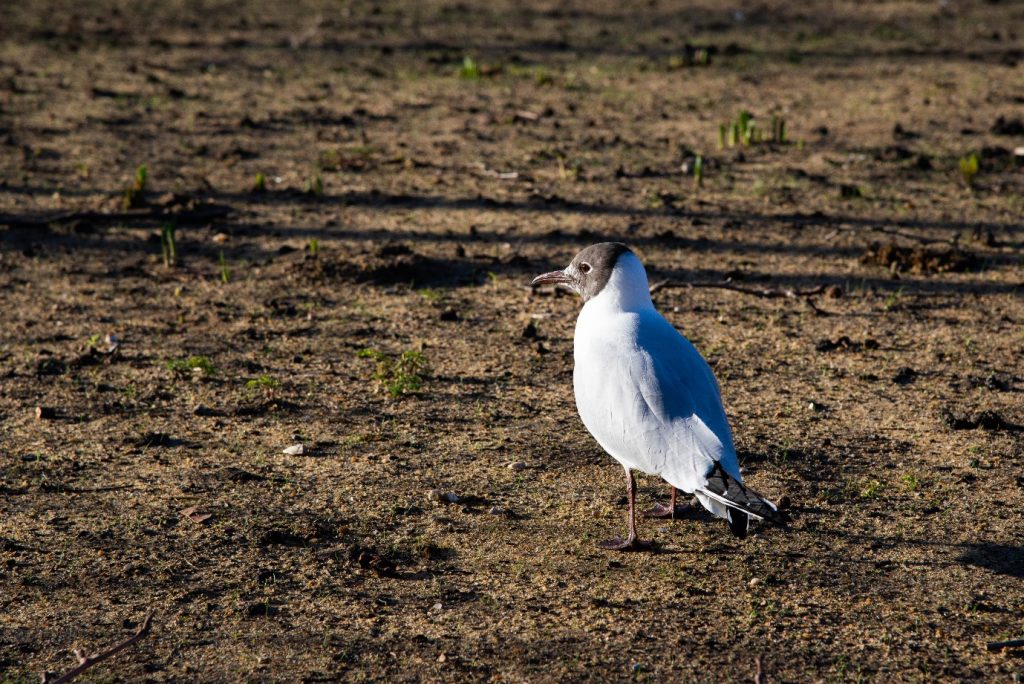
[409, 197]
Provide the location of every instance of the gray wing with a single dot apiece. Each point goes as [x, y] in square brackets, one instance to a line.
[656, 407]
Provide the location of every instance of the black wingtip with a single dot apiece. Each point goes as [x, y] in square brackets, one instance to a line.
[739, 522]
[742, 499]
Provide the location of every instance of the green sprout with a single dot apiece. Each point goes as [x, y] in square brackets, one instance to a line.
[698, 171]
[264, 384]
[892, 300]
[871, 490]
[141, 176]
[745, 128]
[569, 171]
[743, 131]
[316, 186]
[330, 160]
[778, 129]
[699, 57]
[431, 294]
[225, 272]
[314, 247]
[260, 185]
[168, 246]
[969, 169]
[398, 376]
[133, 195]
[199, 365]
[469, 70]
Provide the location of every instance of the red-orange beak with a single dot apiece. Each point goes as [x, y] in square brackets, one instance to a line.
[552, 278]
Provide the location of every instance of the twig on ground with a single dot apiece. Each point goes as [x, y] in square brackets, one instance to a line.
[500, 175]
[85, 662]
[1000, 645]
[809, 301]
[893, 232]
[758, 676]
[767, 293]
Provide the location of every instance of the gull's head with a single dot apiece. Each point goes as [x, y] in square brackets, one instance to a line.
[591, 271]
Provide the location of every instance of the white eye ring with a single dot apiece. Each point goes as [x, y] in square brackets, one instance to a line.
[584, 268]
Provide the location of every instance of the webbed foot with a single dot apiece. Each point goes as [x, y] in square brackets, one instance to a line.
[628, 544]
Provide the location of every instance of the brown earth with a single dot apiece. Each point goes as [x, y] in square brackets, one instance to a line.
[868, 338]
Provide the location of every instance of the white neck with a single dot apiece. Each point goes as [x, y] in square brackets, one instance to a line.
[627, 289]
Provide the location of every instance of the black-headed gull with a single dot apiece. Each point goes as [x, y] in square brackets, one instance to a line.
[647, 395]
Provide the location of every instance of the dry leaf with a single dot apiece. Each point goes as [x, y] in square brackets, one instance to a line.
[194, 515]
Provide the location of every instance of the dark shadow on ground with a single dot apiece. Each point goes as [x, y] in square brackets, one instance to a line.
[562, 33]
[21, 238]
[555, 205]
[1002, 559]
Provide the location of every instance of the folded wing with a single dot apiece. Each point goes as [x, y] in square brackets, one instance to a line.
[673, 424]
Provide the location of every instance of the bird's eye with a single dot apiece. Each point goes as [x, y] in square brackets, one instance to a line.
[584, 268]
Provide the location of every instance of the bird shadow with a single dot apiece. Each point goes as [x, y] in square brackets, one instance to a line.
[1002, 559]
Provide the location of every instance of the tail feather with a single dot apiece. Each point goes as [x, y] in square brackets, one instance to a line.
[739, 498]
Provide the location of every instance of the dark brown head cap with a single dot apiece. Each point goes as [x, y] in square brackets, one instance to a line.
[593, 266]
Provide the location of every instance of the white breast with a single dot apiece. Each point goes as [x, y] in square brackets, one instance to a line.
[605, 399]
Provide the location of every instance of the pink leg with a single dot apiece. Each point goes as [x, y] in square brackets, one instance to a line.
[630, 543]
[660, 510]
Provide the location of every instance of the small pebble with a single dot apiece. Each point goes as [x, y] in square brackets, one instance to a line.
[441, 495]
[496, 510]
[753, 582]
[295, 450]
[516, 466]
